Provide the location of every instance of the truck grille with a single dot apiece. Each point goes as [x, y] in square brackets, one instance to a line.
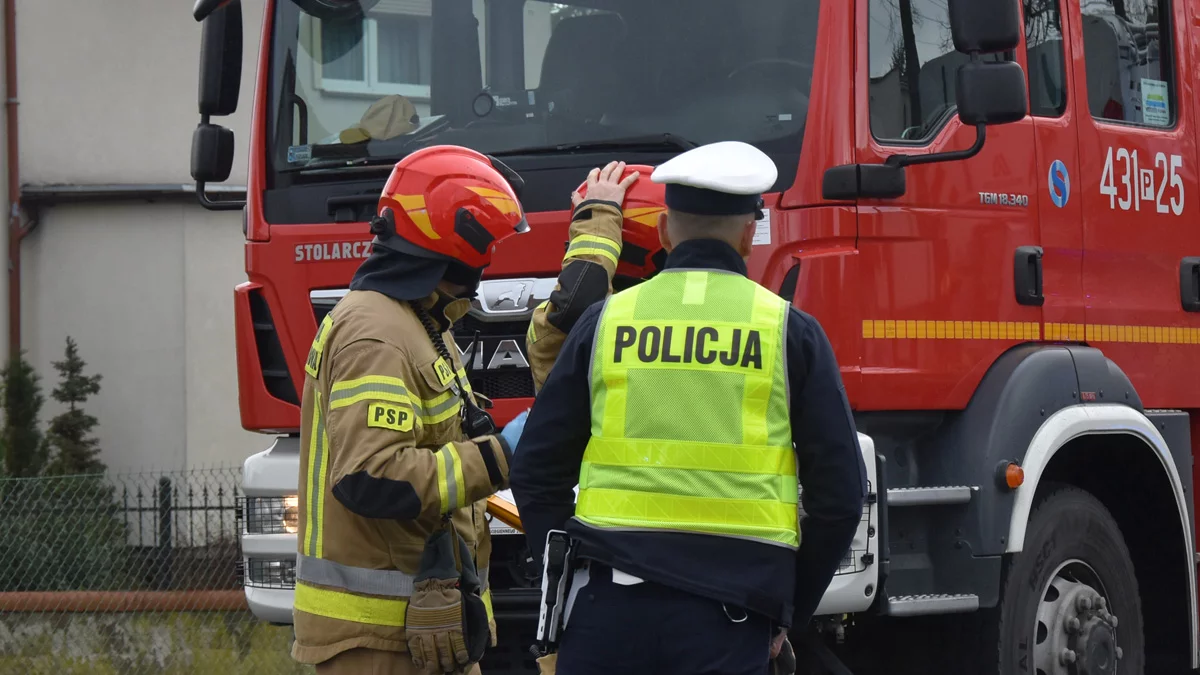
[490, 372]
[503, 381]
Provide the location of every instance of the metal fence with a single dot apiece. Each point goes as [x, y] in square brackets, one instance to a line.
[129, 573]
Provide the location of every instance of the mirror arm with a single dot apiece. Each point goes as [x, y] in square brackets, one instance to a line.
[953, 156]
[229, 205]
[202, 195]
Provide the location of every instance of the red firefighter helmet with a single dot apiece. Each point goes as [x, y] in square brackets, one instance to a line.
[641, 250]
[449, 202]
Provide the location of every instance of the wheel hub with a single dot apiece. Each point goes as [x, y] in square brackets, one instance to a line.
[1076, 634]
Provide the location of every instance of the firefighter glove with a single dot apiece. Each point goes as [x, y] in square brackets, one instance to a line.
[446, 622]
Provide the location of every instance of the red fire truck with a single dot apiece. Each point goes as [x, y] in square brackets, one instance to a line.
[992, 207]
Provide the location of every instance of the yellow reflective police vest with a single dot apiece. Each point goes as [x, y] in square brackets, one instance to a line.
[690, 425]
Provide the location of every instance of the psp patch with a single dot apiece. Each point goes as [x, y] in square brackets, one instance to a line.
[389, 416]
[444, 372]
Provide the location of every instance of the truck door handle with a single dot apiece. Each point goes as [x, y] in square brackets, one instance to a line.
[1027, 275]
[1189, 284]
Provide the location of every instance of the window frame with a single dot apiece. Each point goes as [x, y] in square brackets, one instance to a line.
[371, 86]
[1064, 60]
[943, 121]
[1166, 27]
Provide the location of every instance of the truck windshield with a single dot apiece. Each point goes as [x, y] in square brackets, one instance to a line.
[517, 77]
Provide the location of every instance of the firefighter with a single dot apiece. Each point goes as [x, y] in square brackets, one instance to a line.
[670, 403]
[599, 239]
[398, 456]
[612, 231]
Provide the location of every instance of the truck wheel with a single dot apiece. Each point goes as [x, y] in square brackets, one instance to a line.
[1069, 603]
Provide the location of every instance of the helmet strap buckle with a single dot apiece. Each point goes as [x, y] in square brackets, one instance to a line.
[382, 225]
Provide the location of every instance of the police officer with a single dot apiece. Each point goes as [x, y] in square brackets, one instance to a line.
[397, 457]
[686, 408]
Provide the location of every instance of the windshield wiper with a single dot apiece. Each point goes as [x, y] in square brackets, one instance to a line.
[342, 163]
[649, 142]
[646, 143]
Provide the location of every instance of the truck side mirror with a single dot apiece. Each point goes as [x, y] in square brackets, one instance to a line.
[221, 60]
[202, 8]
[212, 153]
[220, 84]
[984, 26]
[991, 93]
[986, 94]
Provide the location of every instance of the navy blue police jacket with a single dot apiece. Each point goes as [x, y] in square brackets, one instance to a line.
[742, 573]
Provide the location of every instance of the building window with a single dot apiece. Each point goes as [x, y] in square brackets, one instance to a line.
[1127, 50]
[913, 68]
[1047, 71]
[383, 54]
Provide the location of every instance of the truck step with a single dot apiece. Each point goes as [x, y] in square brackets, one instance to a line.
[921, 605]
[929, 496]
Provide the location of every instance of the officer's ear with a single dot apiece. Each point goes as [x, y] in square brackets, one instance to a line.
[664, 236]
[746, 245]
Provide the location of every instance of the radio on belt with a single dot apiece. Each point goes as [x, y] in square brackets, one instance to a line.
[556, 582]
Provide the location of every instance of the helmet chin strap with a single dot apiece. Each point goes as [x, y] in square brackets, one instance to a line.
[461, 275]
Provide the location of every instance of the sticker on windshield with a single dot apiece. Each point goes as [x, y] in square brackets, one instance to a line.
[762, 230]
[1155, 109]
[299, 153]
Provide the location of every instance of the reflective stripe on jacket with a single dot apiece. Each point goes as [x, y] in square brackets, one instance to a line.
[690, 423]
[382, 456]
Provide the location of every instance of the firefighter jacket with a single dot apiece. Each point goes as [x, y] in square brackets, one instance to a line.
[382, 456]
[587, 272]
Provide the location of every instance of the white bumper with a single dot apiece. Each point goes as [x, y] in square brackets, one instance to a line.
[854, 586]
[275, 473]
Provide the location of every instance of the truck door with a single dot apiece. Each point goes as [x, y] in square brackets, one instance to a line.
[1059, 211]
[1137, 153]
[938, 290]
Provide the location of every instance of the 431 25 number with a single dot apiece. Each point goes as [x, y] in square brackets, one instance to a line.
[1143, 185]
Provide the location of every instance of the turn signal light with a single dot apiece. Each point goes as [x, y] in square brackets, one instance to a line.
[1014, 475]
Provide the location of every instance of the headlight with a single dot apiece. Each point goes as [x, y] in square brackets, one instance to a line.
[272, 515]
[271, 573]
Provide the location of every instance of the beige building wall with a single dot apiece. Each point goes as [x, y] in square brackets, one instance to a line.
[146, 291]
[108, 90]
[4, 202]
[108, 96]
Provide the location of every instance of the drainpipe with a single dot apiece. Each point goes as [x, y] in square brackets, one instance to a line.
[16, 231]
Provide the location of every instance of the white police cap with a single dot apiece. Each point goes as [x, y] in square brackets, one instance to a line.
[718, 179]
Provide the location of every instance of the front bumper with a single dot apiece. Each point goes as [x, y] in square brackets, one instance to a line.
[267, 559]
[269, 552]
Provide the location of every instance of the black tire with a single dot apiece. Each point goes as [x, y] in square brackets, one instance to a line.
[1066, 524]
